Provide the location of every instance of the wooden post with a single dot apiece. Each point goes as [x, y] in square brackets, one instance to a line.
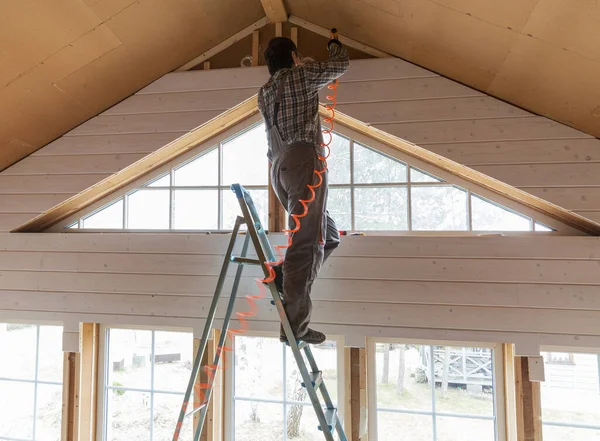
[529, 409]
[358, 394]
[510, 401]
[70, 405]
[206, 65]
[294, 36]
[255, 42]
[348, 391]
[88, 381]
[278, 29]
[277, 213]
[214, 416]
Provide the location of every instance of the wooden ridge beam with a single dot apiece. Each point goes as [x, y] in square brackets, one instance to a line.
[224, 44]
[344, 40]
[129, 174]
[275, 10]
[568, 217]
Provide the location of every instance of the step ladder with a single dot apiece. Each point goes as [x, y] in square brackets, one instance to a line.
[312, 378]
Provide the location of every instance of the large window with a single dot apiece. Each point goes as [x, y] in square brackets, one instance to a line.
[269, 402]
[146, 374]
[369, 190]
[571, 397]
[31, 375]
[434, 393]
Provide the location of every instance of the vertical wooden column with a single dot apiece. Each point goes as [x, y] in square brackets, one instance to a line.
[70, 406]
[294, 36]
[528, 405]
[255, 45]
[279, 29]
[357, 429]
[88, 381]
[510, 400]
[214, 416]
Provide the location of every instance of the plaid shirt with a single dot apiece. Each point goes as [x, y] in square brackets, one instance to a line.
[298, 117]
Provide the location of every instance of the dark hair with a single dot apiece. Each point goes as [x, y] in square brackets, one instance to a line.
[279, 54]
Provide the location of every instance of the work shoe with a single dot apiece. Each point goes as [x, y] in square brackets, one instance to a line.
[311, 337]
[278, 278]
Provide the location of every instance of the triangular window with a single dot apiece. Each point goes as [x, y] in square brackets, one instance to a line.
[369, 190]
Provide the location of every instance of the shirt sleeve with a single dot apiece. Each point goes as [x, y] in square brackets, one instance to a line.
[319, 74]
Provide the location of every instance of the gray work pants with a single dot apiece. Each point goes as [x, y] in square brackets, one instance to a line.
[292, 169]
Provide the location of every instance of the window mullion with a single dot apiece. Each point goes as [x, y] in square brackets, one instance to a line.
[152, 357]
[35, 386]
[408, 199]
[284, 403]
[432, 374]
[352, 220]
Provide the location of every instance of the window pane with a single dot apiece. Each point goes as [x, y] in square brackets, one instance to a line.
[303, 425]
[258, 421]
[165, 181]
[487, 216]
[50, 362]
[16, 411]
[196, 209]
[417, 175]
[439, 208]
[173, 360]
[464, 429]
[404, 427]
[201, 171]
[129, 352]
[326, 357]
[470, 380]
[371, 167]
[128, 416]
[339, 206]
[571, 392]
[231, 207]
[245, 158]
[253, 377]
[108, 217]
[339, 160]
[166, 412]
[554, 433]
[413, 391]
[541, 227]
[49, 412]
[380, 208]
[20, 341]
[148, 210]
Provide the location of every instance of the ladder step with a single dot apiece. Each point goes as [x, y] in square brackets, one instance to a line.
[197, 409]
[316, 378]
[245, 260]
[330, 417]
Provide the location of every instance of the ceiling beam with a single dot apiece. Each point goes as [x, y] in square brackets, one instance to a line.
[275, 10]
[344, 40]
[224, 44]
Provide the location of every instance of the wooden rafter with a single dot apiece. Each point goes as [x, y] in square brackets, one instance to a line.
[275, 10]
[224, 44]
[344, 40]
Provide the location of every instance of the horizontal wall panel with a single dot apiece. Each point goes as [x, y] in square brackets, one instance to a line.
[572, 198]
[10, 221]
[28, 203]
[108, 144]
[424, 110]
[65, 165]
[23, 184]
[182, 102]
[424, 133]
[544, 174]
[520, 151]
[146, 123]
[593, 215]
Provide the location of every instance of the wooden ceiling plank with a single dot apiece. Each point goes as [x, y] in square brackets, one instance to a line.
[224, 44]
[343, 39]
[275, 10]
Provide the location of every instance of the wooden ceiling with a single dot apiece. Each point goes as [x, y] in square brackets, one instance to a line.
[542, 55]
[64, 61]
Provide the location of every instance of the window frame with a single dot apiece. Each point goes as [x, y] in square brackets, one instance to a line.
[499, 400]
[229, 384]
[63, 384]
[103, 372]
[535, 217]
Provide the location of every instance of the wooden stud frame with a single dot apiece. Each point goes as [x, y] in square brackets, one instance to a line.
[528, 403]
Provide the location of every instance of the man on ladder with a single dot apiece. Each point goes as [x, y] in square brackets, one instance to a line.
[289, 103]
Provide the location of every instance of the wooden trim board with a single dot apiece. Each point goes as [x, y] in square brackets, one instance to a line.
[568, 217]
[275, 10]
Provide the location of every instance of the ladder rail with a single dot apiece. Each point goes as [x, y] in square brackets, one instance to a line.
[222, 338]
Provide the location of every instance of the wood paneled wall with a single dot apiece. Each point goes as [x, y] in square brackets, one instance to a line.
[527, 290]
[536, 154]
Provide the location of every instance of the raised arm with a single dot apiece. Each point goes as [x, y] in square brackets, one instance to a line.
[319, 74]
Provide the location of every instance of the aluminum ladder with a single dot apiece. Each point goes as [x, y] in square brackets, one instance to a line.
[312, 379]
